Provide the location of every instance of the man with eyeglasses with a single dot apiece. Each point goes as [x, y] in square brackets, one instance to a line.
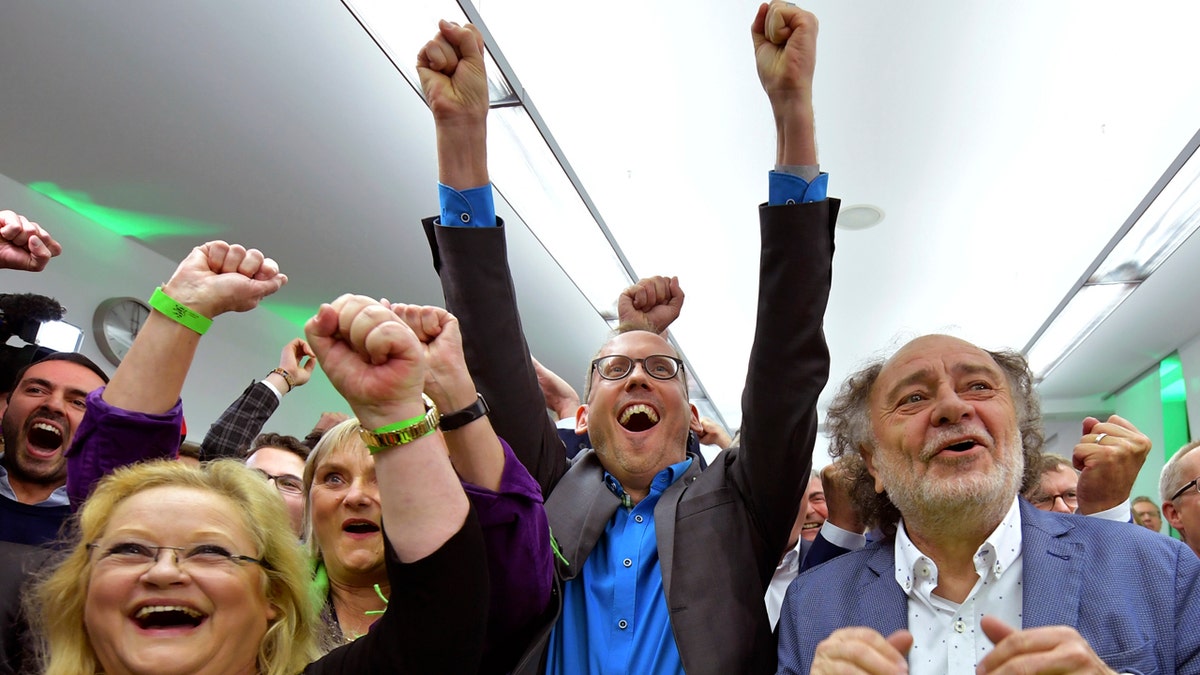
[661, 567]
[280, 459]
[1179, 489]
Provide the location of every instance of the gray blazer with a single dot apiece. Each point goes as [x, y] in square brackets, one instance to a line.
[720, 532]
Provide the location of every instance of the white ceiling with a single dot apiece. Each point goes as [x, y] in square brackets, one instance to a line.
[1006, 141]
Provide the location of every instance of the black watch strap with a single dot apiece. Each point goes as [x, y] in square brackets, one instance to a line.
[461, 418]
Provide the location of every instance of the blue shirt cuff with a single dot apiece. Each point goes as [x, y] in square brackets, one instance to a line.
[470, 208]
[786, 188]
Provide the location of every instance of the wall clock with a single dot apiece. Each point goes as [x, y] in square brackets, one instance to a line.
[115, 325]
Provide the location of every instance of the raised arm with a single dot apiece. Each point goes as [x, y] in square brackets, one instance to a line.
[474, 448]
[25, 245]
[137, 416]
[244, 419]
[789, 360]
[473, 261]
[436, 617]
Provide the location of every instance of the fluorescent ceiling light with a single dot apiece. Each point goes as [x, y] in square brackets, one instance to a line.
[533, 183]
[1165, 224]
[402, 28]
[1168, 215]
[1086, 311]
[528, 168]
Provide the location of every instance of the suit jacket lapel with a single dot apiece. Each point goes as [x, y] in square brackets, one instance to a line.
[1052, 570]
[882, 603]
[664, 521]
[579, 509]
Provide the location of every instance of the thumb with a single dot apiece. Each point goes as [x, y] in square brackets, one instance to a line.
[901, 641]
[1088, 424]
[995, 629]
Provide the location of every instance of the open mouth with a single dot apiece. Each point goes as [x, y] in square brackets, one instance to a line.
[45, 437]
[811, 526]
[638, 417]
[961, 446]
[360, 527]
[163, 617]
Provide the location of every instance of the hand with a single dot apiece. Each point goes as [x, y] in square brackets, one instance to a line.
[371, 357]
[24, 245]
[1108, 466]
[327, 421]
[652, 303]
[560, 396]
[862, 650]
[218, 277]
[299, 361]
[452, 73]
[1049, 649]
[447, 380]
[785, 51]
[839, 498]
[711, 433]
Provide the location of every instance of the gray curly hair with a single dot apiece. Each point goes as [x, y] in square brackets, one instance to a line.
[848, 424]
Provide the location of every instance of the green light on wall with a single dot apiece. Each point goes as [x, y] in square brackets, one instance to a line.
[297, 315]
[1170, 377]
[1174, 403]
[143, 226]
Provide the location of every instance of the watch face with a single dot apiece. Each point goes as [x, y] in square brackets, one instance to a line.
[116, 324]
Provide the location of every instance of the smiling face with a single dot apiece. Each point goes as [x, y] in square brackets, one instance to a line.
[43, 413]
[813, 511]
[162, 618]
[945, 427]
[638, 425]
[345, 512]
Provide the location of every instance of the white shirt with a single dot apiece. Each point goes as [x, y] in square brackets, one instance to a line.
[946, 635]
[789, 568]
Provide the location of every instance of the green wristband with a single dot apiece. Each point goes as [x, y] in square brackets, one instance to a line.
[183, 314]
[400, 425]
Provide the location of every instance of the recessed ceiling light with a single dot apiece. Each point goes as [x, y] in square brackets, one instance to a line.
[859, 217]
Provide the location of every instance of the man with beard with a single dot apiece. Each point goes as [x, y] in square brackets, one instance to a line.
[44, 411]
[968, 577]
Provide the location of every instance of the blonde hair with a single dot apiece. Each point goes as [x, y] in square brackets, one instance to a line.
[57, 602]
[342, 434]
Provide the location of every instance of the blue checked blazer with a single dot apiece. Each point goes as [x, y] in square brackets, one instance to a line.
[1131, 593]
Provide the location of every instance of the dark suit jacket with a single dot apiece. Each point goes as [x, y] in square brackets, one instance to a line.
[719, 532]
[1131, 593]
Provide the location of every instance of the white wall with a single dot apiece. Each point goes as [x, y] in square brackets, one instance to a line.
[97, 264]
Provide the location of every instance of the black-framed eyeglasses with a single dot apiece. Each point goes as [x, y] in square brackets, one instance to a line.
[619, 366]
[285, 482]
[134, 555]
[1194, 484]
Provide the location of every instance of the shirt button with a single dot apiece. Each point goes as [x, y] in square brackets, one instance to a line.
[466, 217]
[638, 518]
[622, 624]
[960, 626]
[627, 562]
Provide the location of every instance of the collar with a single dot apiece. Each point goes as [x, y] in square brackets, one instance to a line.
[917, 574]
[662, 480]
[57, 498]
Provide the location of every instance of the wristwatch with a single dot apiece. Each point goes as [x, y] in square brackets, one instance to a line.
[467, 415]
[389, 437]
